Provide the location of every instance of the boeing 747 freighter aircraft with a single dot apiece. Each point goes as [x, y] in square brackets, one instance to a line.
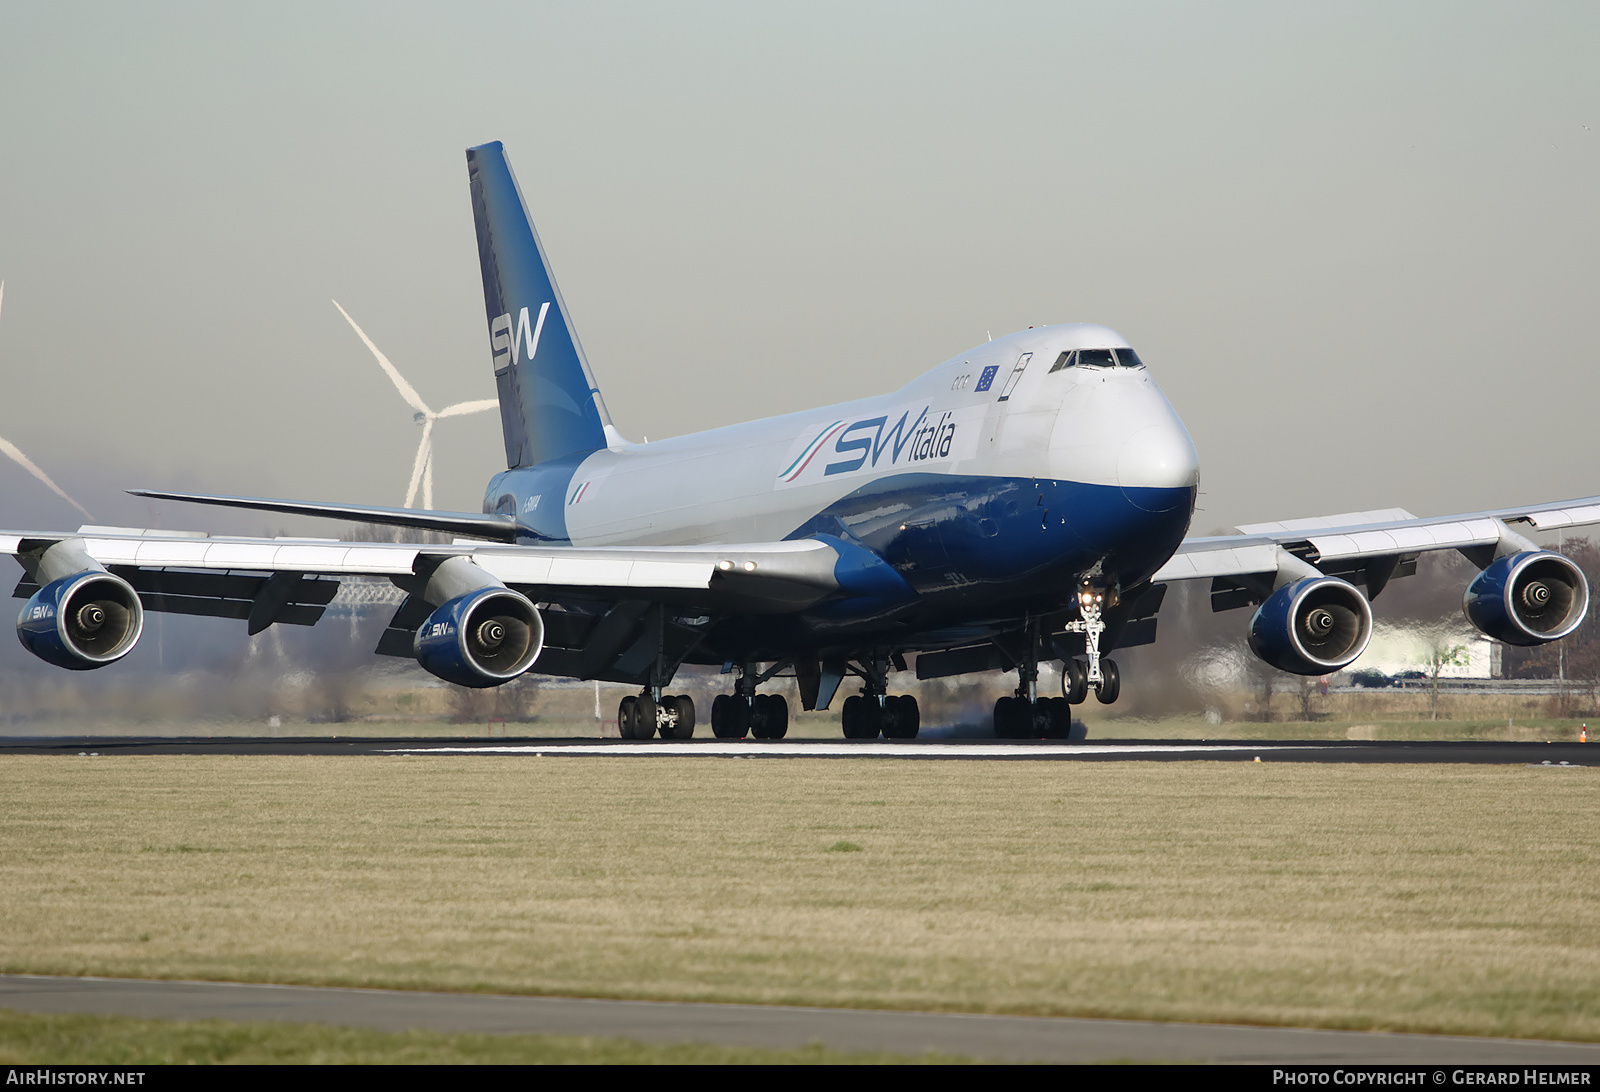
[1025, 501]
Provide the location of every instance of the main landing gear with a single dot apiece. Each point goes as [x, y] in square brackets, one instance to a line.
[895, 716]
[873, 712]
[1025, 715]
[642, 716]
[765, 716]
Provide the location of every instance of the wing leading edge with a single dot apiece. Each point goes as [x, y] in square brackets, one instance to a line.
[1359, 536]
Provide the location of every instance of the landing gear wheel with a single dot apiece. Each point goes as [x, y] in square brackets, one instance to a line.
[1008, 718]
[730, 716]
[849, 715]
[680, 712]
[1110, 682]
[1074, 681]
[1060, 717]
[644, 717]
[1039, 720]
[862, 717]
[901, 718]
[769, 716]
[625, 717]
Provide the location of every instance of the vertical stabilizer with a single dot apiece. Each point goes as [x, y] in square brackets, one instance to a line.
[549, 405]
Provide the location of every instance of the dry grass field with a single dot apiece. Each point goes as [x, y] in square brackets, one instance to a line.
[1436, 898]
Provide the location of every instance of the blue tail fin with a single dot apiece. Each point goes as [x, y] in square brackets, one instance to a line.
[549, 405]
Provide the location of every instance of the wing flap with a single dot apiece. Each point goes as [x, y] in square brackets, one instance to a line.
[1221, 560]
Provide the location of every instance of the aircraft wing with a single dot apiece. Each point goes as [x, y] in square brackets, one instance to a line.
[770, 576]
[496, 528]
[1353, 542]
[610, 604]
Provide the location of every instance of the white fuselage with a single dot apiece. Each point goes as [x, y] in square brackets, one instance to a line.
[759, 481]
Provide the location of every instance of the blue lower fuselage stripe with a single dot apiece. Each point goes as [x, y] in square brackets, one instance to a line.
[973, 547]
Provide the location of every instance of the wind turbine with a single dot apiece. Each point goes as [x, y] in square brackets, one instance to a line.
[422, 468]
[14, 453]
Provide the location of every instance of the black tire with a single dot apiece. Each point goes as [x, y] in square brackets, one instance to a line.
[644, 717]
[1110, 682]
[680, 708]
[1074, 681]
[862, 717]
[1060, 714]
[871, 725]
[1005, 718]
[730, 716]
[625, 716]
[761, 716]
[906, 719]
[778, 717]
[1038, 718]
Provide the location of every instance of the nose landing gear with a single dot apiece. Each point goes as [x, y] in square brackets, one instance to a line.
[1098, 673]
[1025, 715]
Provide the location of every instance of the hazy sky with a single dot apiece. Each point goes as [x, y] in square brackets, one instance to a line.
[1356, 244]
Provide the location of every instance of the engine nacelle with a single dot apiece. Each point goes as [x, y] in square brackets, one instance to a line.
[82, 621]
[483, 638]
[1528, 598]
[1313, 626]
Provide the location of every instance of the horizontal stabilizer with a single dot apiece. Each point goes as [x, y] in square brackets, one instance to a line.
[496, 527]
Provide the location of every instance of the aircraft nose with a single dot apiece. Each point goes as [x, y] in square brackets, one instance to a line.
[1158, 467]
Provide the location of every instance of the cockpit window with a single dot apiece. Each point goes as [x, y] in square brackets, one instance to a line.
[1098, 358]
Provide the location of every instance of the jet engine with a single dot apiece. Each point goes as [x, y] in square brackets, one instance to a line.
[1312, 626]
[82, 621]
[1528, 598]
[482, 636]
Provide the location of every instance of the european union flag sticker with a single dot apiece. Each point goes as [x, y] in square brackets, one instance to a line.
[986, 378]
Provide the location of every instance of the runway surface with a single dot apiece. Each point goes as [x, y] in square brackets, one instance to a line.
[1556, 755]
[1009, 1038]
